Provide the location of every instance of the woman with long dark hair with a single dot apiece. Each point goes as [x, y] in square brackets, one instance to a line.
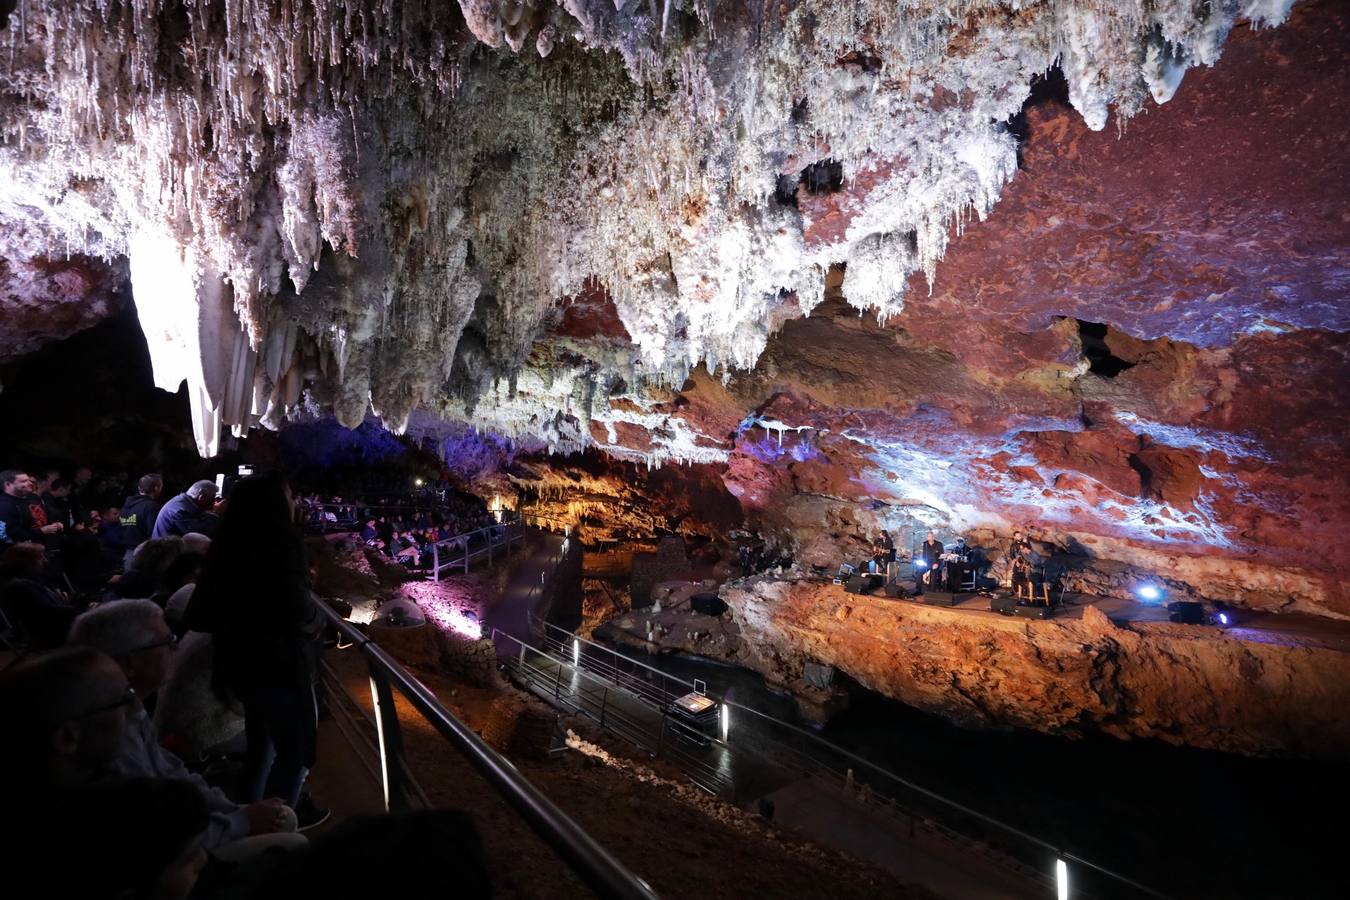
[254, 597]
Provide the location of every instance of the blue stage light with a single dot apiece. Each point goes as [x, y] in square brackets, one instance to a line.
[1149, 592]
[1223, 618]
[919, 564]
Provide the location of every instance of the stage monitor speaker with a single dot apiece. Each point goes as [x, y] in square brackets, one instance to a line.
[855, 585]
[940, 598]
[1187, 612]
[899, 589]
[1003, 603]
[1032, 612]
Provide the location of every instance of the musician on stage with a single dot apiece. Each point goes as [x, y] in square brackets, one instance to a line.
[1019, 566]
[931, 554]
[883, 551]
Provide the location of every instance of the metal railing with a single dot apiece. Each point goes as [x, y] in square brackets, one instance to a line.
[462, 549]
[760, 741]
[601, 871]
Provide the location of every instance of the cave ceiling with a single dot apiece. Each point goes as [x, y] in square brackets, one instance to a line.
[980, 263]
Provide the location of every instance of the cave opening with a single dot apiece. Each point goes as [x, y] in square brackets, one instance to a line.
[1101, 361]
[823, 177]
[1049, 89]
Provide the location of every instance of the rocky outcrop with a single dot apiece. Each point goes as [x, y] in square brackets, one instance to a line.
[1176, 683]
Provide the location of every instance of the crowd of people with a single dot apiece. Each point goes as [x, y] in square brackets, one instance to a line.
[403, 528]
[198, 646]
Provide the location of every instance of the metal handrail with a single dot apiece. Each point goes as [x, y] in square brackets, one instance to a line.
[608, 877]
[508, 537]
[646, 695]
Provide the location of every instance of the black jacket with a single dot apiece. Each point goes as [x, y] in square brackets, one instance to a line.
[17, 516]
[138, 520]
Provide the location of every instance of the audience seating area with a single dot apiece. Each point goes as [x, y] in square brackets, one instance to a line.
[115, 714]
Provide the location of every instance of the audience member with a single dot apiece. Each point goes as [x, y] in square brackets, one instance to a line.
[254, 597]
[439, 853]
[139, 513]
[147, 566]
[35, 606]
[121, 839]
[190, 511]
[135, 635]
[23, 518]
[65, 719]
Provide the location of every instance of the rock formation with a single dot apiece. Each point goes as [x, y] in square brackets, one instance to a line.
[1177, 683]
[945, 264]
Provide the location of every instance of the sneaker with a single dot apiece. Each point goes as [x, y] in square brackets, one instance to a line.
[308, 814]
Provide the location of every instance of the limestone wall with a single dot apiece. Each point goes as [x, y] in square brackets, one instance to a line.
[1181, 684]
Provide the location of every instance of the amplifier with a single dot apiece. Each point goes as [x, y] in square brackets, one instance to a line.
[940, 598]
[1003, 603]
[899, 589]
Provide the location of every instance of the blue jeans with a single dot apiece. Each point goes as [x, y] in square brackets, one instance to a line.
[281, 727]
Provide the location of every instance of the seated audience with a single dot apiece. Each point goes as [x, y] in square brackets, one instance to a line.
[134, 634]
[65, 719]
[118, 839]
[190, 511]
[30, 600]
[147, 566]
[440, 854]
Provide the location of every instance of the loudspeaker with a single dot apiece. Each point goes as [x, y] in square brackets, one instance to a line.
[939, 598]
[1003, 603]
[854, 585]
[1032, 612]
[1187, 612]
[899, 589]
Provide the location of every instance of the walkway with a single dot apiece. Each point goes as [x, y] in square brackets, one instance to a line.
[510, 611]
[753, 765]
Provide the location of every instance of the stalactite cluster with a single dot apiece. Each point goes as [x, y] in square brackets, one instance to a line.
[381, 203]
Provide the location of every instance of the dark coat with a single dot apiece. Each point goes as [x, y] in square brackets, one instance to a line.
[138, 520]
[182, 515]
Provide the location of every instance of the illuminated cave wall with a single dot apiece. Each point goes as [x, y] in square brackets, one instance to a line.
[555, 220]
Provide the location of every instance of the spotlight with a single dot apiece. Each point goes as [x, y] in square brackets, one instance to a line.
[576, 652]
[919, 564]
[725, 721]
[1061, 880]
[1149, 592]
[417, 482]
[1223, 618]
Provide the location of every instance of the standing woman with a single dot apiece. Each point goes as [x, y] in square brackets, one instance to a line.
[254, 597]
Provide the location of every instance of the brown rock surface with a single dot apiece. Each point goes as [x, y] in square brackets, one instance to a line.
[1176, 683]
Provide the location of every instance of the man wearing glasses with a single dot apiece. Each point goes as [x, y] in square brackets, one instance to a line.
[65, 717]
[135, 635]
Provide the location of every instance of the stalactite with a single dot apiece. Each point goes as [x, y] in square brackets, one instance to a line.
[333, 163]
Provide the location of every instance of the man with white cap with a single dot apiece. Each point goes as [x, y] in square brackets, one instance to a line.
[189, 512]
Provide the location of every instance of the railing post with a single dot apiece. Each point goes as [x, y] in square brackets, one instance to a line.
[391, 742]
[557, 682]
[604, 702]
[661, 735]
[436, 560]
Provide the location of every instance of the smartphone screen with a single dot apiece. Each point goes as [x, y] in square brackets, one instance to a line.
[220, 484]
